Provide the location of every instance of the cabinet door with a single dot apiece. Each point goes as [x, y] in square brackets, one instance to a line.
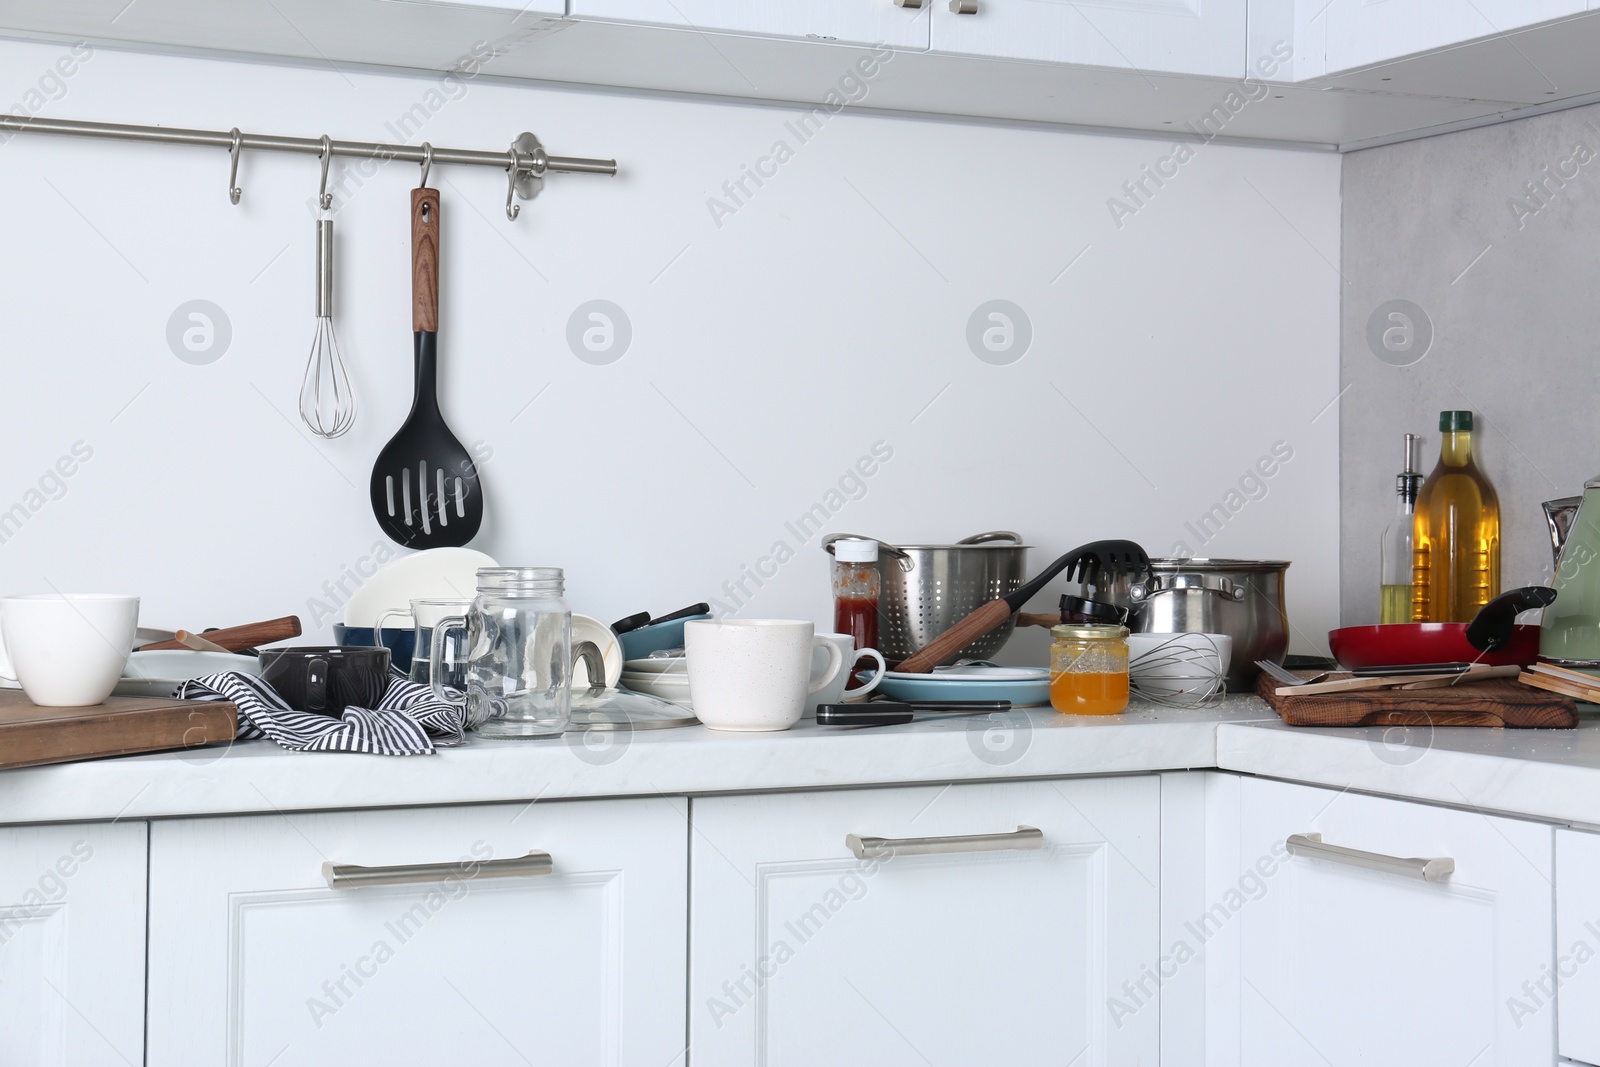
[851, 21]
[1341, 963]
[1180, 36]
[1577, 962]
[72, 915]
[803, 954]
[1361, 32]
[255, 960]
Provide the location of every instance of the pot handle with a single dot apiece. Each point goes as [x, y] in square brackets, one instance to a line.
[992, 535]
[883, 547]
[1209, 583]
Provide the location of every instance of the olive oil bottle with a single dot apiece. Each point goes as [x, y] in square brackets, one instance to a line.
[1395, 553]
[1456, 536]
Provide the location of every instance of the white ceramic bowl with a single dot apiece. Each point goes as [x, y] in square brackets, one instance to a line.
[1179, 668]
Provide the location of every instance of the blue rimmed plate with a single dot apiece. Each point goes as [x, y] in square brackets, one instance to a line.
[1023, 686]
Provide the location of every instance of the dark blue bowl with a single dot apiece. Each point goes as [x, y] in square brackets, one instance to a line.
[400, 641]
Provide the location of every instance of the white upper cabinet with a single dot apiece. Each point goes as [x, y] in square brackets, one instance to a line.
[1010, 924]
[1349, 956]
[1361, 32]
[847, 21]
[476, 955]
[1177, 36]
[72, 932]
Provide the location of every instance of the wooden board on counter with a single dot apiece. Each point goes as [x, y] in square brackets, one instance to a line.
[31, 735]
[1496, 702]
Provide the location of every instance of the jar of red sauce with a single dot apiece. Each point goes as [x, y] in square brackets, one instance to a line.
[857, 586]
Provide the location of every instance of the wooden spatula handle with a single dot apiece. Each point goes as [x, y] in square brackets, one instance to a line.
[248, 636]
[959, 636]
[425, 260]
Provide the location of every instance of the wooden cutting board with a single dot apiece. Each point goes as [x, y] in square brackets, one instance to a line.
[1496, 702]
[31, 735]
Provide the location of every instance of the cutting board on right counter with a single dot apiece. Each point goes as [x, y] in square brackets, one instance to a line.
[31, 735]
[1494, 702]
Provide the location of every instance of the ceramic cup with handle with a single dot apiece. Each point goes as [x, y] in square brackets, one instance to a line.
[67, 649]
[755, 674]
[835, 691]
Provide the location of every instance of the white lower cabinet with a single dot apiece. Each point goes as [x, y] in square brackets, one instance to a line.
[72, 927]
[1575, 971]
[983, 950]
[255, 960]
[1343, 963]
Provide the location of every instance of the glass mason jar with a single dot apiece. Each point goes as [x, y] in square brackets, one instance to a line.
[1089, 668]
[519, 654]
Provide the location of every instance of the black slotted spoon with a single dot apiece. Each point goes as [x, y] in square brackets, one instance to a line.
[425, 490]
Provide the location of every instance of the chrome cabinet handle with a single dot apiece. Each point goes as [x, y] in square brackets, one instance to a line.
[1023, 838]
[964, 7]
[350, 876]
[1429, 870]
[908, 3]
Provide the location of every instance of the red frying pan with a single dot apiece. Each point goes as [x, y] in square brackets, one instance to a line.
[1492, 637]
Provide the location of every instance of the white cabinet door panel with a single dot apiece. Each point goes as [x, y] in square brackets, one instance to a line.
[1181, 36]
[1577, 962]
[852, 21]
[1361, 32]
[255, 960]
[72, 926]
[804, 955]
[1343, 964]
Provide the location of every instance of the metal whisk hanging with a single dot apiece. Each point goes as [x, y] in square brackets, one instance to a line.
[327, 403]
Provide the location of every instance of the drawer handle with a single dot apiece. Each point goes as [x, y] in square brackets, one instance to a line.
[1023, 838]
[350, 876]
[1434, 870]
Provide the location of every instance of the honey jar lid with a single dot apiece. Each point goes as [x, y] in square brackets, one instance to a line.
[1088, 631]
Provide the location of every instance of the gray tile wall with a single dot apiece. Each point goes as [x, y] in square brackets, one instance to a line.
[1494, 236]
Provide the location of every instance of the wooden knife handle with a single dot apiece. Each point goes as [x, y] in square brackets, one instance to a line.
[1028, 618]
[248, 636]
[959, 636]
[425, 260]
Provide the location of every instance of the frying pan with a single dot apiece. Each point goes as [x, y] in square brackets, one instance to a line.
[1492, 637]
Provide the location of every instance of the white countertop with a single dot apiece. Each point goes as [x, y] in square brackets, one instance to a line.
[1547, 774]
[257, 776]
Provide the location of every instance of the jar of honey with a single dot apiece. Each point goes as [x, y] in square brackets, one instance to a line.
[1089, 669]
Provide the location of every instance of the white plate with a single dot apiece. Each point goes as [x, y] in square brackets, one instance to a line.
[589, 628]
[446, 573]
[658, 665]
[157, 674]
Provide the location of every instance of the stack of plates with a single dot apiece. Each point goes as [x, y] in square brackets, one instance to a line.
[665, 677]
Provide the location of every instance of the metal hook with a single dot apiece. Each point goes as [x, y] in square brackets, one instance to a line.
[324, 197]
[512, 210]
[234, 192]
[427, 163]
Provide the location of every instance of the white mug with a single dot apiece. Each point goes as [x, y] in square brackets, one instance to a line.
[835, 692]
[67, 650]
[754, 674]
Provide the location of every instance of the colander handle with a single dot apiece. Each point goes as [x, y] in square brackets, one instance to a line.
[883, 547]
[992, 535]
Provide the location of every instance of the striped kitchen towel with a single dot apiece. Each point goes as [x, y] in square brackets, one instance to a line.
[408, 721]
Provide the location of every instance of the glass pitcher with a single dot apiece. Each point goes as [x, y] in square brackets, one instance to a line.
[519, 654]
[1571, 627]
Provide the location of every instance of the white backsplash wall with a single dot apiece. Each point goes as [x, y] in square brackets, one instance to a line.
[802, 349]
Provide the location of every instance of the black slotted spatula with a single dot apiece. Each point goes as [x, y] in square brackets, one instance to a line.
[425, 490]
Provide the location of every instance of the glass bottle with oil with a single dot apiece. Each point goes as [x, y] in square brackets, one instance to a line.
[1456, 532]
[1396, 550]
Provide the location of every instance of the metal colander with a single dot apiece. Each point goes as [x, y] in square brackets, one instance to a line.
[929, 588]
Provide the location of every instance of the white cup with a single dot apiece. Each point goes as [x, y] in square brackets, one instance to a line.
[834, 692]
[754, 674]
[67, 650]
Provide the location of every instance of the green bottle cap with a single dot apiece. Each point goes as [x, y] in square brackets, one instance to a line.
[1452, 421]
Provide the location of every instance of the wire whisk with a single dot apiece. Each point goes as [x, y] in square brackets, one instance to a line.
[327, 403]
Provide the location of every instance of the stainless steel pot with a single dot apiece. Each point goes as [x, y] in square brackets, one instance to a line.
[1242, 598]
[929, 588]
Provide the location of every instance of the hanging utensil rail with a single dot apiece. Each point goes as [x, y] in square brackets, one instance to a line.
[525, 160]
